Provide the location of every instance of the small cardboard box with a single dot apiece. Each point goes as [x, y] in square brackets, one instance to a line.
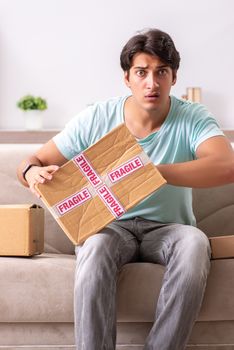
[100, 184]
[222, 247]
[21, 230]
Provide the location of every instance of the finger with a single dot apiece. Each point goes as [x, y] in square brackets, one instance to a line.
[51, 168]
[39, 178]
[48, 171]
[44, 174]
[33, 189]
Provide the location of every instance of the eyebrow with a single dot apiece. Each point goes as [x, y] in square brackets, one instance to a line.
[145, 67]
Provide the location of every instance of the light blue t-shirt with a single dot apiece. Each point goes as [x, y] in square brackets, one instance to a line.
[187, 125]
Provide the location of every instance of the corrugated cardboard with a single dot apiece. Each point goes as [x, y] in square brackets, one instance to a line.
[100, 184]
[22, 230]
[222, 247]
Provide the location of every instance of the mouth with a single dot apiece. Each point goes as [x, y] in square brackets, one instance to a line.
[152, 96]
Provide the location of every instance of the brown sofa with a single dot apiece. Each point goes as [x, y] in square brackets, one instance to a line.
[36, 294]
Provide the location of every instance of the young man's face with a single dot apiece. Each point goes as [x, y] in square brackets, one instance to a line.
[150, 81]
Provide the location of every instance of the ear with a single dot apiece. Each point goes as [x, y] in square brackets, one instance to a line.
[174, 77]
[126, 78]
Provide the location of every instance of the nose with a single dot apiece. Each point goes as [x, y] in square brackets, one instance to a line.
[152, 81]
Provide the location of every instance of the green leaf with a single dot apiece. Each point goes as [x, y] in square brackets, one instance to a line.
[30, 102]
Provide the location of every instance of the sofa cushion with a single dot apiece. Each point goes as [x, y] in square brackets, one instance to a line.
[43, 288]
[14, 193]
[37, 289]
[138, 290]
[139, 287]
[213, 208]
[218, 304]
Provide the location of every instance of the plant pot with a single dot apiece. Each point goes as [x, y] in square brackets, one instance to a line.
[33, 120]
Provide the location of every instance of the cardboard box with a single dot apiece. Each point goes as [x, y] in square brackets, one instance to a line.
[100, 184]
[222, 247]
[22, 230]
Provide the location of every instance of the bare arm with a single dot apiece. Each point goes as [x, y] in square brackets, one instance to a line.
[45, 161]
[214, 166]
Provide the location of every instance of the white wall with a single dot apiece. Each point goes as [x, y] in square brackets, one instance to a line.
[68, 52]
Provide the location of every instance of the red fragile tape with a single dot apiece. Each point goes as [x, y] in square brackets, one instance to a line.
[98, 185]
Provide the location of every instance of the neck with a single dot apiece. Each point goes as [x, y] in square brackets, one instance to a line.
[142, 122]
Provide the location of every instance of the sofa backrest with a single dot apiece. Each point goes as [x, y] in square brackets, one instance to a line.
[214, 210]
[213, 207]
[12, 192]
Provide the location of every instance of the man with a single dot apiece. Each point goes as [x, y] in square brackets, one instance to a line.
[188, 148]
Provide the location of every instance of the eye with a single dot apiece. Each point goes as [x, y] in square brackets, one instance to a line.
[141, 73]
[162, 72]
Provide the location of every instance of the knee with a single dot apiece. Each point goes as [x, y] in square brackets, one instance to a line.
[97, 249]
[96, 257]
[94, 265]
[195, 252]
[198, 244]
[194, 242]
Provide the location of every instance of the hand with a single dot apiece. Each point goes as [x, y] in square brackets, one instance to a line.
[38, 174]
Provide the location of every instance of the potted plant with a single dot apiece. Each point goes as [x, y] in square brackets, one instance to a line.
[33, 107]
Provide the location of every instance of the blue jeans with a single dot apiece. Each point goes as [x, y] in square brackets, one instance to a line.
[183, 250]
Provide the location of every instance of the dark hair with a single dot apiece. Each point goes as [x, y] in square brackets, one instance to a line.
[153, 42]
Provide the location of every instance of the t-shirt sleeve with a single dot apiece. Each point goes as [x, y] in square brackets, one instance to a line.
[74, 138]
[204, 126]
